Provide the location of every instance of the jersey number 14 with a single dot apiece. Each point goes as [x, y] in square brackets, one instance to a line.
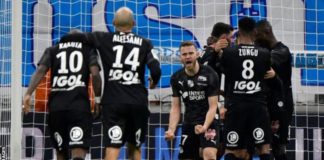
[117, 73]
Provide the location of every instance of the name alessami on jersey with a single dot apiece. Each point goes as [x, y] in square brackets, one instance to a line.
[116, 73]
[129, 38]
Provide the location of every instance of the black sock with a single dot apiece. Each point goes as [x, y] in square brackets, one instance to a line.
[77, 158]
[231, 156]
[265, 157]
[281, 157]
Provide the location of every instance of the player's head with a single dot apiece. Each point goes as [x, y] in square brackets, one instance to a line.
[75, 31]
[73, 35]
[246, 27]
[220, 29]
[264, 34]
[188, 54]
[123, 19]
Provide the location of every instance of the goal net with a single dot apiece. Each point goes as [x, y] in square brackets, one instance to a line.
[297, 23]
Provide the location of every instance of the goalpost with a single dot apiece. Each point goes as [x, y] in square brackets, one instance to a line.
[16, 87]
[10, 79]
[27, 27]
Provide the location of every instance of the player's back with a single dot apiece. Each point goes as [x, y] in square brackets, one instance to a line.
[244, 68]
[69, 61]
[124, 58]
[281, 63]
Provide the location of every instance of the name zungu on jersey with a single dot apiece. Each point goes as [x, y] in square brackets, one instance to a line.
[67, 83]
[126, 78]
[246, 87]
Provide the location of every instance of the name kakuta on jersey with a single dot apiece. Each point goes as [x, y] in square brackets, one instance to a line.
[70, 44]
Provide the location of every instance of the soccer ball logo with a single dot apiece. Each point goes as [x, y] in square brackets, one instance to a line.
[280, 104]
[258, 134]
[232, 137]
[76, 134]
[115, 133]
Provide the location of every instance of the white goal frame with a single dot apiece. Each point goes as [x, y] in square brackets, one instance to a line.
[16, 80]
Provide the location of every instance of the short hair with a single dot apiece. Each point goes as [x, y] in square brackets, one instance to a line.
[75, 31]
[221, 28]
[187, 44]
[264, 25]
[246, 25]
[123, 17]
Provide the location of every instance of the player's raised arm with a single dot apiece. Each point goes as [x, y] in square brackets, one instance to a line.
[174, 118]
[154, 66]
[175, 111]
[212, 92]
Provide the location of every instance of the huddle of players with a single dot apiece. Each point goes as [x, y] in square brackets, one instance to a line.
[258, 95]
[124, 100]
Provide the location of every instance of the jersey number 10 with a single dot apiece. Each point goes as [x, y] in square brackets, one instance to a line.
[72, 66]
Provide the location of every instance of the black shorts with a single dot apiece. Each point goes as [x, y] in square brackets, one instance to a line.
[70, 129]
[282, 135]
[125, 123]
[245, 122]
[191, 142]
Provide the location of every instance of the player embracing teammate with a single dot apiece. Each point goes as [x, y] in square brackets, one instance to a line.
[256, 82]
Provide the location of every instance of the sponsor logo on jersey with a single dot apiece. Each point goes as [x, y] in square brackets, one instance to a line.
[197, 95]
[129, 77]
[202, 81]
[115, 134]
[76, 134]
[201, 84]
[232, 139]
[67, 83]
[247, 87]
[202, 78]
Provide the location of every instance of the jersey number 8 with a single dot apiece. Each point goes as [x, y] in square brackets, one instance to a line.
[248, 72]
